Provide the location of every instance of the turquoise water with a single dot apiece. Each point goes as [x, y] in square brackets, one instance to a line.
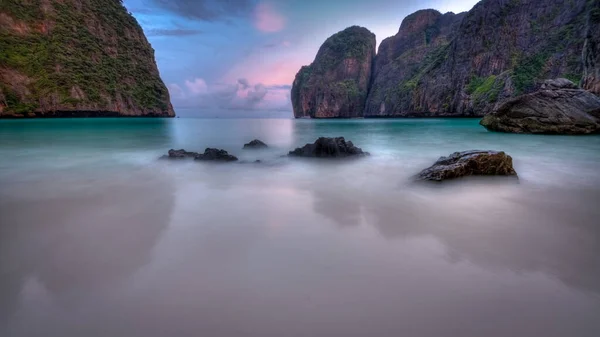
[100, 238]
[33, 147]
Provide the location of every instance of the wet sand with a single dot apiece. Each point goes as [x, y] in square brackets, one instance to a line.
[296, 249]
[100, 238]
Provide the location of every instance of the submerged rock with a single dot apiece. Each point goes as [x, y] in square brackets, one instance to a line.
[255, 144]
[211, 154]
[326, 147]
[180, 154]
[559, 107]
[469, 163]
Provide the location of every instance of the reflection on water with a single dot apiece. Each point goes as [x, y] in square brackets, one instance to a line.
[105, 240]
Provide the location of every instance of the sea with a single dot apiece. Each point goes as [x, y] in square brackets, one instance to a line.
[99, 237]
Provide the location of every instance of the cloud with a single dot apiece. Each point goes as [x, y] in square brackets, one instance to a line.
[244, 83]
[280, 87]
[206, 10]
[241, 95]
[277, 44]
[257, 94]
[197, 86]
[172, 32]
[267, 19]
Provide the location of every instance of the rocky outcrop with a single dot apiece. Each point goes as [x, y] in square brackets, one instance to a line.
[76, 58]
[559, 107]
[211, 154]
[255, 144]
[469, 163]
[326, 147]
[337, 82]
[591, 52]
[421, 42]
[464, 65]
[180, 154]
[500, 49]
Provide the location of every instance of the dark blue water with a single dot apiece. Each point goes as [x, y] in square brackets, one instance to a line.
[100, 238]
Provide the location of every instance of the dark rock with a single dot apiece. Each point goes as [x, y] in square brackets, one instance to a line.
[469, 163]
[255, 144]
[591, 51]
[499, 50]
[559, 107]
[337, 82]
[180, 154]
[462, 64]
[326, 147]
[211, 154]
[423, 37]
[111, 71]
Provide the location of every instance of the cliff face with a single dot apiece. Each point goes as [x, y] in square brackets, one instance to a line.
[500, 48]
[337, 82]
[466, 64]
[421, 43]
[591, 52]
[76, 58]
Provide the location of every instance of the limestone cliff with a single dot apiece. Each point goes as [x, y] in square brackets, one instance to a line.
[76, 58]
[419, 46]
[591, 51]
[464, 65]
[501, 48]
[337, 82]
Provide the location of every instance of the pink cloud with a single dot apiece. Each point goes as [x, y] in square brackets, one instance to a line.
[267, 19]
[197, 86]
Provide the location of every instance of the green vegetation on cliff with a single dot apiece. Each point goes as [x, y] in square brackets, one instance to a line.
[336, 83]
[484, 89]
[77, 55]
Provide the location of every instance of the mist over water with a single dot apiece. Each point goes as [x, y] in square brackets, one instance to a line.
[100, 238]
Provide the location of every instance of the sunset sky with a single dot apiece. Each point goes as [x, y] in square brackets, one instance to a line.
[239, 57]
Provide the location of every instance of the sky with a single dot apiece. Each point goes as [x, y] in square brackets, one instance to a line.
[238, 58]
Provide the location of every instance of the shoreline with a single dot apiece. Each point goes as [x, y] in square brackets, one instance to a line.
[79, 114]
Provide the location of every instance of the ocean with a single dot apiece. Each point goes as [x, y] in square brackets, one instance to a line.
[98, 237]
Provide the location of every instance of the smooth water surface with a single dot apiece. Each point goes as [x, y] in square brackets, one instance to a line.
[100, 238]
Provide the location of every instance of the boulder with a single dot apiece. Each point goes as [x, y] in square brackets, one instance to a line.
[180, 154]
[469, 163]
[211, 154]
[558, 107]
[255, 144]
[326, 147]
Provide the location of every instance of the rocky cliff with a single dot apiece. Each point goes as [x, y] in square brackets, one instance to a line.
[500, 48]
[420, 45]
[591, 51]
[465, 64]
[337, 82]
[76, 58]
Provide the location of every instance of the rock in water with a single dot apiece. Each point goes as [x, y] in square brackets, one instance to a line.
[325, 147]
[336, 83]
[255, 144]
[181, 154]
[469, 163]
[559, 107]
[77, 58]
[211, 154]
